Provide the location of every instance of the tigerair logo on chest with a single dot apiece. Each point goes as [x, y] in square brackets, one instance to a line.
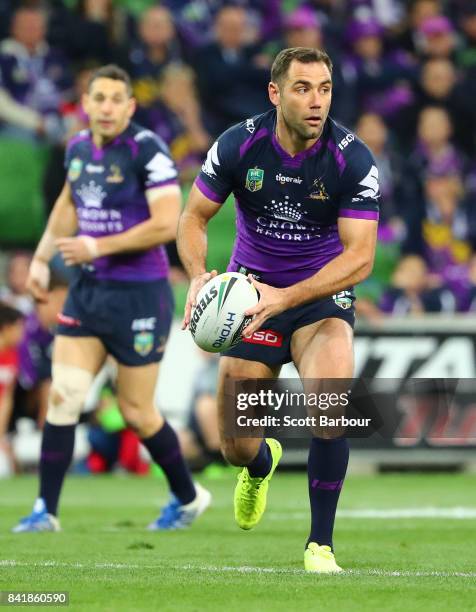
[254, 179]
[297, 180]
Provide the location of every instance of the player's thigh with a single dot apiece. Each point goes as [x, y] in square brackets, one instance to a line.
[233, 368]
[322, 353]
[237, 449]
[85, 352]
[136, 389]
[140, 327]
[324, 349]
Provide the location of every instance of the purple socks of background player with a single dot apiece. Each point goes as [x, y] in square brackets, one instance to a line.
[327, 466]
[164, 449]
[57, 448]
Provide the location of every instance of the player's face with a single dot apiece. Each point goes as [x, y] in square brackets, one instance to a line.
[109, 107]
[304, 98]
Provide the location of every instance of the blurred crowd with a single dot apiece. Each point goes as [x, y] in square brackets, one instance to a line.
[404, 79]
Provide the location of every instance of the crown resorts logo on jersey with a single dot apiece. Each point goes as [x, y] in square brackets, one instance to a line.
[75, 167]
[285, 220]
[286, 211]
[254, 179]
[91, 194]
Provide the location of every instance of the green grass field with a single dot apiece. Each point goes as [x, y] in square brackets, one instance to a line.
[107, 561]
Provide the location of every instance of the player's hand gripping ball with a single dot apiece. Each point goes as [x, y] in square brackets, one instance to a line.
[218, 319]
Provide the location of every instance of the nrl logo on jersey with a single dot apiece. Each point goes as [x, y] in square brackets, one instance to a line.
[91, 194]
[318, 191]
[250, 126]
[254, 179]
[75, 168]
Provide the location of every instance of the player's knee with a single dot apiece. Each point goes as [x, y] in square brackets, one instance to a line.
[328, 433]
[237, 452]
[132, 412]
[139, 417]
[69, 388]
[229, 453]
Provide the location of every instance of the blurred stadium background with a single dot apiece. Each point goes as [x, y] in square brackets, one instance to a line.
[404, 80]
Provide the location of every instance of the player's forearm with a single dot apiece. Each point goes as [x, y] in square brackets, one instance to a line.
[346, 270]
[61, 223]
[192, 244]
[141, 237]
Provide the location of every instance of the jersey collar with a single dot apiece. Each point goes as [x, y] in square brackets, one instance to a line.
[295, 161]
[124, 137]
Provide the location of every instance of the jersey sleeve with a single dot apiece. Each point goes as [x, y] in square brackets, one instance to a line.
[68, 154]
[360, 195]
[71, 146]
[215, 179]
[156, 166]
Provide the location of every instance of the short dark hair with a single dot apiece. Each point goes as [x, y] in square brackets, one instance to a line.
[8, 315]
[306, 55]
[111, 71]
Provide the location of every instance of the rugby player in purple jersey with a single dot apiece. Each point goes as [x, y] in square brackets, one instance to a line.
[306, 191]
[119, 205]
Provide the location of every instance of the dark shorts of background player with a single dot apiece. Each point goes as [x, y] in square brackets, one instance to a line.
[121, 314]
[272, 343]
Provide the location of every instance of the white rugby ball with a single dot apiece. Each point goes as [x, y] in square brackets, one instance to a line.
[218, 319]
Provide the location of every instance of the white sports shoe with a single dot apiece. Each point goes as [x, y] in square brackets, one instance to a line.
[38, 520]
[177, 516]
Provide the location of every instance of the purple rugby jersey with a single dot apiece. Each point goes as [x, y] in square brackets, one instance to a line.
[109, 187]
[287, 207]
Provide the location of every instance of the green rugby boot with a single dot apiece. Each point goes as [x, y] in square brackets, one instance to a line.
[251, 493]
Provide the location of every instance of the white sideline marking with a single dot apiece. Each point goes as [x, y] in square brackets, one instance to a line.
[458, 513]
[240, 570]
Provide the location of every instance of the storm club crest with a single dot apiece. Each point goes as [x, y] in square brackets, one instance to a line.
[318, 191]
